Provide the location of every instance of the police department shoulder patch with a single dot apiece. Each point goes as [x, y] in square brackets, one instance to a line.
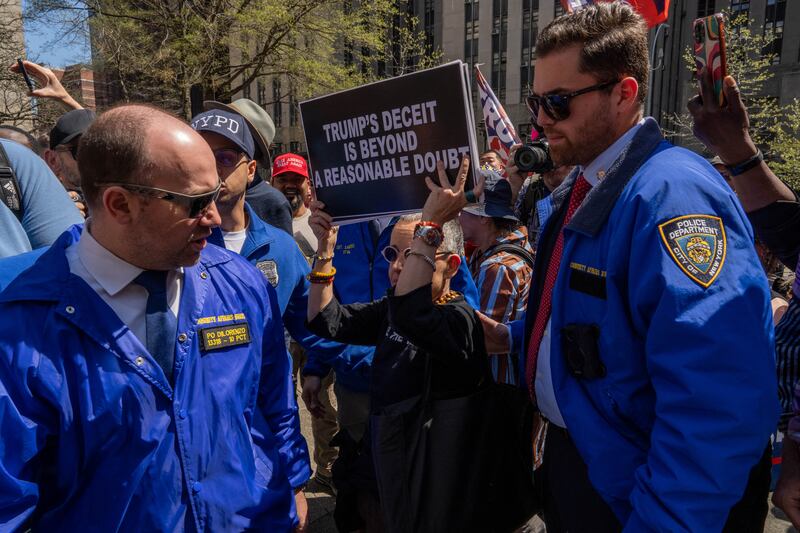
[697, 244]
[270, 270]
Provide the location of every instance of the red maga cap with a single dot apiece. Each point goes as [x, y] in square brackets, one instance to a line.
[289, 163]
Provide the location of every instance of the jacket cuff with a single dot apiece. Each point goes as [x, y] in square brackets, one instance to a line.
[313, 367]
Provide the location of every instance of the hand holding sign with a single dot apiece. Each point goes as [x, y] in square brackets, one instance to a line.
[324, 230]
[445, 202]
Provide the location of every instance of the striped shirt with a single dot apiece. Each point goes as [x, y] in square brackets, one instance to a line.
[503, 280]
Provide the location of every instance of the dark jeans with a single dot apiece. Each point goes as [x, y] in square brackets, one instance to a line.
[571, 503]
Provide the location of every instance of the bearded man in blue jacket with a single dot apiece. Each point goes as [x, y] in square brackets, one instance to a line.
[144, 380]
[648, 342]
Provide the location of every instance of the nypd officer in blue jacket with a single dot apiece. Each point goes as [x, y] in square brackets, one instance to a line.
[271, 250]
[144, 379]
[648, 341]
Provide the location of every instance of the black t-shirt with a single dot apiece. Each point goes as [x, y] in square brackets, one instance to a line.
[406, 330]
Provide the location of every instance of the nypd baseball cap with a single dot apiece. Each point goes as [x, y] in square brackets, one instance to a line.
[289, 163]
[230, 125]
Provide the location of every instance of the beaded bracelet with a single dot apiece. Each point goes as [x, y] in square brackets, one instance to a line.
[321, 277]
[429, 223]
[320, 281]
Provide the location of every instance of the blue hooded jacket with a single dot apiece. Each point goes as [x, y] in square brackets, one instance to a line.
[94, 436]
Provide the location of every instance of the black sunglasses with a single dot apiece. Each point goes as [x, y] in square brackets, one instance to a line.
[556, 106]
[72, 149]
[197, 204]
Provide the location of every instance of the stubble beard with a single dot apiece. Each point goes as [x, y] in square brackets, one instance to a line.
[591, 139]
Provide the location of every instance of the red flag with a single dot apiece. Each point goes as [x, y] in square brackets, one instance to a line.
[653, 11]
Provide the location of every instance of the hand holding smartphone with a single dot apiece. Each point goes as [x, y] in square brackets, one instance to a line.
[709, 51]
[24, 72]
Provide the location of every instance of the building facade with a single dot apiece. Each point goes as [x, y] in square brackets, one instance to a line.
[673, 82]
[15, 106]
[499, 36]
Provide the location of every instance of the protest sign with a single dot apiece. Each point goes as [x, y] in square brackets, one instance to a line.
[370, 148]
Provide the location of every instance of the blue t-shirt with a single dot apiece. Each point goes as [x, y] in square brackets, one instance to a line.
[47, 208]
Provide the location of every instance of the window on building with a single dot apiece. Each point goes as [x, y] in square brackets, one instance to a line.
[428, 19]
[246, 86]
[530, 25]
[705, 8]
[262, 93]
[558, 8]
[277, 106]
[774, 20]
[294, 146]
[293, 109]
[277, 149]
[499, 42]
[471, 11]
[740, 7]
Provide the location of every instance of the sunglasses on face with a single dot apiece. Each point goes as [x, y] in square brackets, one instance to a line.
[228, 157]
[392, 254]
[73, 150]
[196, 204]
[556, 106]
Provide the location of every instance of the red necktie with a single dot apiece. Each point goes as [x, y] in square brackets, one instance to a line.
[579, 192]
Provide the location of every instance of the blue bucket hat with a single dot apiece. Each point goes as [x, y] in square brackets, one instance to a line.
[496, 198]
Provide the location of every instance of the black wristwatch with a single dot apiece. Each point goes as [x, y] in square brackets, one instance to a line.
[744, 166]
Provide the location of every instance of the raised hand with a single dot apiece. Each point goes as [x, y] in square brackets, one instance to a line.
[445, 202]
[725, 130]
[49, 86]
[321, 224]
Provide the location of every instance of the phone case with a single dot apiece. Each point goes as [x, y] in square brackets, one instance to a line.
[709, 49]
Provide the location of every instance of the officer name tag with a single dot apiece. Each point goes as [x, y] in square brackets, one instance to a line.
[588, 280]
[224, 336]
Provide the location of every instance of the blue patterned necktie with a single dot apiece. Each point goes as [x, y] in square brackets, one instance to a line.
[161, 323]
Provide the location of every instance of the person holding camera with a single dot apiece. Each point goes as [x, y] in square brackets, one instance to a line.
[647, 343]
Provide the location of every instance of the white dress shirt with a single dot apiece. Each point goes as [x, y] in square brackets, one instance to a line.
[112, 279]
[594, 172]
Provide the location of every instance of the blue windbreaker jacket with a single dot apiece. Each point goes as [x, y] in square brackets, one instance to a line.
[93, 436]
[660, 258]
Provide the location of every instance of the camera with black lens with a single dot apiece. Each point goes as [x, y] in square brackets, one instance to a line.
[534, 157]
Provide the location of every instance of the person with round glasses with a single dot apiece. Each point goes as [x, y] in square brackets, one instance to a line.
[145, 384]
[659, 421]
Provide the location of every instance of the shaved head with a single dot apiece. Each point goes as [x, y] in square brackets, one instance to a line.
[120, 146]
[152, 227]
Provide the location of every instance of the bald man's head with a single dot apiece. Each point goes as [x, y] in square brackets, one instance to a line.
[126, 144]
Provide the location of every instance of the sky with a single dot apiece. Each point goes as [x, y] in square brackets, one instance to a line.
[45, 44]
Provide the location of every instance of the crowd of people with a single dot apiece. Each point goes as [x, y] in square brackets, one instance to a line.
[607, 346]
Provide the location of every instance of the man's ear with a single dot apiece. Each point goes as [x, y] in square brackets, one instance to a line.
[453, 263]
[52, 160]
[120, 205]
[251, 171]
[628, 93]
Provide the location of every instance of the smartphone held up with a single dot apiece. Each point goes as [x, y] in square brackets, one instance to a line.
[709, 51]
[24, 72]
